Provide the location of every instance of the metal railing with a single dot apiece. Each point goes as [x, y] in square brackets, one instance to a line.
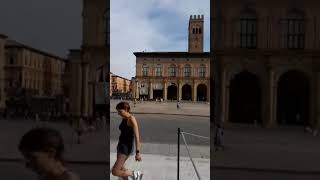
[182, 133]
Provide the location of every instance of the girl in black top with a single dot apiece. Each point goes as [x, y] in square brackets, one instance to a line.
[129, 131]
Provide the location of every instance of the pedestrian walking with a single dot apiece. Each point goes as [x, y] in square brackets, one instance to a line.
[129, 132]
[134, 102]
[178, 104]
[218, 139]
[37, 117]
[43, 149]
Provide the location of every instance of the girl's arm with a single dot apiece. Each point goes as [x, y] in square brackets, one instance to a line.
[136, 132]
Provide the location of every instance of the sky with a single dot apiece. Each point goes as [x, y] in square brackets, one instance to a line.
[151, 25]
[52, 26]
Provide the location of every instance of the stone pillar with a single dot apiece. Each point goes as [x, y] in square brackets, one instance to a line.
[91, 87]
[2, 73]
[194, 92]
[179, 90]
[316, 120]
[227, 101]
[165, 90]
[75, 89]
[271, 100]
[150, 91]
[85, 86]
[208, 91]
[137, 90]
[223, 96]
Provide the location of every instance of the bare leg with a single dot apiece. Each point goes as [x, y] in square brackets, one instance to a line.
[117, 169]
[125, 169]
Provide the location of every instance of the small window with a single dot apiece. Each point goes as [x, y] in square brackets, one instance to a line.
[187, 71]
[248, 32]
[202, 71]
[200, 31]
[158, 70]
[172, 71]
[145, 70]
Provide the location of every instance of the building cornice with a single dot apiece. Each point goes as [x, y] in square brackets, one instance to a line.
[173, 54]
[267, 52]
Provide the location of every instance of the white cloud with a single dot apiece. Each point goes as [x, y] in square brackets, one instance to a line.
[132, 30]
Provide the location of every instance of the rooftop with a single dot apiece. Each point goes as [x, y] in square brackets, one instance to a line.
[15, 44]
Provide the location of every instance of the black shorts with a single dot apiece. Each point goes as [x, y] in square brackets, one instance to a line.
[124, 148]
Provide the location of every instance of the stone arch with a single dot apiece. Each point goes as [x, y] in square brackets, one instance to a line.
[245, 98]
[172, 93]
[186, 92]
[202, 92]
[293, 98]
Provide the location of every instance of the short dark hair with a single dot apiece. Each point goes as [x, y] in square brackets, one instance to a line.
[123, 105]
[39, 139]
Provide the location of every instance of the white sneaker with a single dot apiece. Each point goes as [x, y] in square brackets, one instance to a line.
[137, 175]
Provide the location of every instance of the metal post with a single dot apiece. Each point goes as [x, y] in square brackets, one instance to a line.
[178, 158]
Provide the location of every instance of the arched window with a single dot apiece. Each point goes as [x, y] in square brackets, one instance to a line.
[145, 69]
[202, 71]
[193, 31]
[196, 30]
[248, 30]
[200, 31]
[172, 70]
[187, 70]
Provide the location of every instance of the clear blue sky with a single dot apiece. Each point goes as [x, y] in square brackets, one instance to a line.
[151, 25]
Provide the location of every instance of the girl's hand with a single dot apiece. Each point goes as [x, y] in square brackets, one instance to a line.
[138, 157]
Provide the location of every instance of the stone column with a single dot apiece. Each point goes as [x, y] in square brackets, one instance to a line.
[194, 92]
[75, 89]
[223, 96]
[137, 90]
[179, 90]
[91, 76]
[316, 120]
[271, 100]
[208, 91]
[2, 73]
[150, 91]
[165, 90]
[227, 101]
[85, 93]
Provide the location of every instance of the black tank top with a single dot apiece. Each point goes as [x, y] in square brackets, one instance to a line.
[126, 135]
